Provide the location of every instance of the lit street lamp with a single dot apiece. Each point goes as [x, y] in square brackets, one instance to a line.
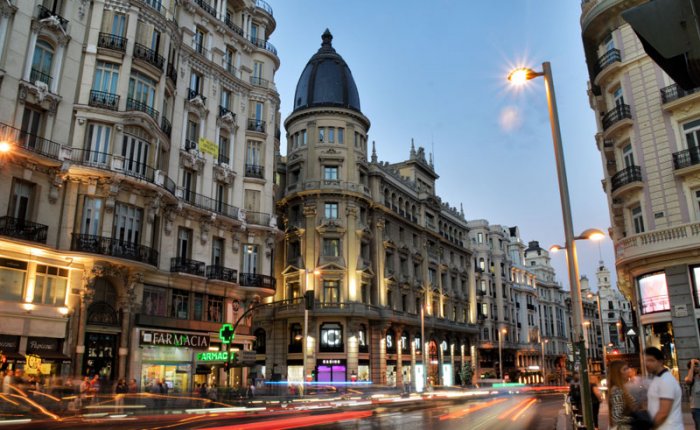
[519, 77]
[500, 352]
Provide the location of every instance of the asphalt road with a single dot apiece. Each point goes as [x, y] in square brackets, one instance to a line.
[512, 412]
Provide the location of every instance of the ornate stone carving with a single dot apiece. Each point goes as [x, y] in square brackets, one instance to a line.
[153, 207]
[112, 193]
[189, 160]
[224, 174]
[204, 228]
[197, 106]
[40, 95]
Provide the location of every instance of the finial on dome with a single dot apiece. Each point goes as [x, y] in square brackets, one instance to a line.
[413, 149]
[374, 153]
[327, 38]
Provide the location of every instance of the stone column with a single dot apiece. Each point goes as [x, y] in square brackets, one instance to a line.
[134, 282]
[378, 352]
[411, 338]
[86, 296]
[353, 346]
[380, 255]
[398, 330]
[351, 252]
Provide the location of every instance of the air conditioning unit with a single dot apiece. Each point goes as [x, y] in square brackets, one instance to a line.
[190, 144]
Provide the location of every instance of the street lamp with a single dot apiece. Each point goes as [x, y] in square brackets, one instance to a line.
[501, 332]
[543, 342]
[518, 77]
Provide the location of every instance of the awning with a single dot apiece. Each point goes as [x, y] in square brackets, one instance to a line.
[53, 357]
[12, 355]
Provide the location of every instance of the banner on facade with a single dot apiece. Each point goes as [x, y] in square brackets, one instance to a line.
[208, 147]
[175, 339]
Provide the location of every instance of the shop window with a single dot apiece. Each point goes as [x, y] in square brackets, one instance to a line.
[260, 341]
[404, 342]
[50, 285]
[653, 293]
[295, 338]
[331, 336]
[362, 339]
[12, 276]
[390, 342]
[154, 301]
[180, 304]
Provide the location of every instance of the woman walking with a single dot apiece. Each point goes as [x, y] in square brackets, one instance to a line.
[620, 403]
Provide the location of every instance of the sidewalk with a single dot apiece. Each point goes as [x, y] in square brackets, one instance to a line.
[564, 421]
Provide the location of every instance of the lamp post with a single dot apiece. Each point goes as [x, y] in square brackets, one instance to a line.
[544, 365]
[604, 369]
[520, 76]
[500, 352]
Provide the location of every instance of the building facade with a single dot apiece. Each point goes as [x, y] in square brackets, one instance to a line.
[617, 318]
[648, 140]
[374, 246]
[138, 181]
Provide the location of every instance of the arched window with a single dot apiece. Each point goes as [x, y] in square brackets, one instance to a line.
[42, 62]
[331, 336]
[362, 339]
[259, 344]
[101, 311]
[390, 342]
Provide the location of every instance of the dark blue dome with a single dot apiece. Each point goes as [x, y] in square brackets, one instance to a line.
[326, 80]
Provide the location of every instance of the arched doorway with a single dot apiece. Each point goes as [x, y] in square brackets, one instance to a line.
[101, 335]
[433, 363]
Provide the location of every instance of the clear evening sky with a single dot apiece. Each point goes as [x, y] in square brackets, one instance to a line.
[436, 71]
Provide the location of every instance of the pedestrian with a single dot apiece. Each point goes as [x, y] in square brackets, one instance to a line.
[212, 394]
[664, 396]
[120, 390]
[84, 393]
[693, 381]
[7, 382]
[620, 402]
[596, 398]
[203, 390]
[575, 394]
[133, 388]
[637, 387]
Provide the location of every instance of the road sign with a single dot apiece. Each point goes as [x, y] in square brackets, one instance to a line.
[631, 332]
[247, 358]
[226, 333]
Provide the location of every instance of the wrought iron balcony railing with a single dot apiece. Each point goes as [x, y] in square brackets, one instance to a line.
[37, 75]
[223, 158]
[133, 104]
[30, 141]
[256, 125]
[45, 12]
[165, 126]
[222, 273]
[186, 265]
[224, 110]
[610, 57]
[193, 94]
[89, 158]
[111, 41]
[209, 204]
[686, 158]
[263, 44]
[618, 113]
[114, 248]
[675, 92]
[626, 176]
[235, 28]
[148, 55]
[257, 218]
[256, 280]
[207, 7]
[22, 229]
[104, 100]
[259, 82]
[255, 171]
[262, 4]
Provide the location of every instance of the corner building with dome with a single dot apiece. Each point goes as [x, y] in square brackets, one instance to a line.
[373, 243]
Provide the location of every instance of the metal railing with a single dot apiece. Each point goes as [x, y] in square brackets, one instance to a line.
[209, 204]
[113, 247]
[263, 44]
[256, 280]
[224, 110]
[222, 273]
[206, 7]
[262, 4]
[655, 304]
[169, 184]
[235, 28]
[618, 113]
[222, 158]
[111, 41]
[255, 171]
[22, 229]
[165, 126]
[201, 50]
[193, 94]
[139, 170]
[155, 4]
[675, 92]
[30, 141]
[45, 12]
[257, 218]
[229, 67]
[87, 157]
[104, 100]
[171, 73]
[626, 176]
[259, 82]
[186, 265]
[190, 144]
[256, 125]
[148, 55]
[686, 158]
[610, 57]
[37, 75]
[133, 104]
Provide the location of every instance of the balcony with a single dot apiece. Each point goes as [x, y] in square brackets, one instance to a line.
[222, 159]
[626, 176]
[221, 273]
[23, 229]
[674, 97]
[37, 75]
[104, 100]
[190, 144]
[604, 61]
[193, 94]
[206, 7]
[89, 158]
[223, 111]
[256, 281]
[148, 55]
[155, 4]
[261, 4]
[111, 41]
[133, 104]
[171, 73]
[201, 50]
[226, 64]
[30, 142]
[687, 158]
[208, 204]
[254, 171]
[259, 82]
[257, 218]
[256, 125]
[233, 27]
[185, 265]
[616, 115]
[165, 126]
[114, 248]
[45, 13]
[138, 170]
[263, 44]
[683, 238]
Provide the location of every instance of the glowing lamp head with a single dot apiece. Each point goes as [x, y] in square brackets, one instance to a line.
[63, 310]
[555, 248]
[593, 234]
[317, 272]
[521, 75]
[4, 147]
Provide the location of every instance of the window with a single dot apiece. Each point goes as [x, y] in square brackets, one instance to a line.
[637, 219]
[195, 84]
[191, 133]
[42, 62]
[331, 291]
[155, 41]
[331, 247]
[696, 203]
[259, 343]
[331, 337]
[184, 243]
[127, 223]
[330, 173]
[198, 40]
[692, 134]
[217, 251]
[118, 24]
[154, 301]
[188, 185]
[653, 293]
[198, 307]
[321, 134]
[106, 77]
[31, 125]
[21, 200]
[331, 134]
[362, 338]
[331, 210]
[229, 57]
[223, 149]
[253, 153]
[341, 135]
[142, 89]
[50, 286]
[226, 99]
[12, 276]
[180, 304]
[97, 146]
[480, 238]
[250, 258]
[618, 97]
[215, 309]
[258, 70]
[135, 152]
[628, 156]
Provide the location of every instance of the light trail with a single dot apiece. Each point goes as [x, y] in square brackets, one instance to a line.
[522, 411]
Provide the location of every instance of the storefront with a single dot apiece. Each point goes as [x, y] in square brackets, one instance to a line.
[363, 371]
[391, 373]
[50, 351]
[329, 370]
[9, 348]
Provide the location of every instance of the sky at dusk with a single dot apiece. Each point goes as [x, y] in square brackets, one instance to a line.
[436, 71]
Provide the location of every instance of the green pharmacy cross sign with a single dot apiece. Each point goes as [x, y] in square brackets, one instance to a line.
[226, 333]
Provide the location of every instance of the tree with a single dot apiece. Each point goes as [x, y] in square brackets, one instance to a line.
[466, 374]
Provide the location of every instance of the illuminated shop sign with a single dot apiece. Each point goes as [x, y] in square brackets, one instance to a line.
[331, 361]
[214, 356]
[170, 338]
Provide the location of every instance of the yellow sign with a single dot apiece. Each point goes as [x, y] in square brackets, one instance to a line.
[45, 368]
[208, 147]
[33, 364]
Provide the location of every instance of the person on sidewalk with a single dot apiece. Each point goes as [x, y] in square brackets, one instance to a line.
[596, 397]
[664, 396]
[637, 386]
[620, 402]
[693, 381]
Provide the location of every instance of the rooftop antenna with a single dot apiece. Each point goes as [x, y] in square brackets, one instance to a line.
[432, 149]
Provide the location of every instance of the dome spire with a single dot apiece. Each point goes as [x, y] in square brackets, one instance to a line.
[327, 38]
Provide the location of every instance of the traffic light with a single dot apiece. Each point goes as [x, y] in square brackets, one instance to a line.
[668, 31]
[309, 300]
